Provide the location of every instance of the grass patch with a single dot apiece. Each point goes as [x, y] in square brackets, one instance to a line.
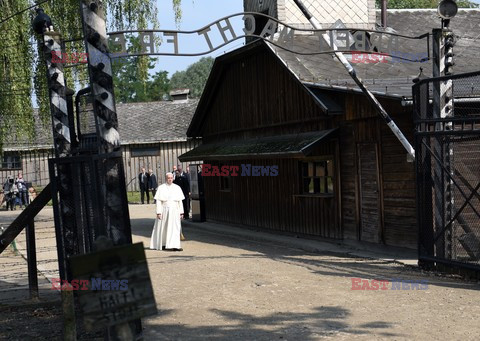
[133, 197]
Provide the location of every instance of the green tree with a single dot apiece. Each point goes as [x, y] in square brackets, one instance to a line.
[130, 74]
[159, 86]
[194, 77]
[402, 4]
[22, 72]
[130, 88]
[16, 57]
[128, 84]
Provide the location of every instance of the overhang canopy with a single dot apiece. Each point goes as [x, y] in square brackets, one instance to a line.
[294, 145]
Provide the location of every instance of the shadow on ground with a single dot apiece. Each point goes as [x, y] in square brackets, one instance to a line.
[325, 321]
[31, 321]
[323, 264]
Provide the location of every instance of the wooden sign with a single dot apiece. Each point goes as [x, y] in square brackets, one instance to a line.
[118, 289]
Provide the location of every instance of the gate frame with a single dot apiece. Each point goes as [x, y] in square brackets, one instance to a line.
[426, 126]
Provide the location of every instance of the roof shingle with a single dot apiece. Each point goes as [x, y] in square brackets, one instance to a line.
[393, 78]
[146, 122]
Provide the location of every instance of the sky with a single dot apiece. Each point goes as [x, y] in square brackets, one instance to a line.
[195, 15]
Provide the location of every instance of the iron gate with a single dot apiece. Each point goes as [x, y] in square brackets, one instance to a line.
[447, 144]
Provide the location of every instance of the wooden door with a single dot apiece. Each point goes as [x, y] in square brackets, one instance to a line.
[370, 215]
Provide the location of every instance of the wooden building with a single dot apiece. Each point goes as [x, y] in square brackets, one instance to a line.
[153, 135]
[342, 173]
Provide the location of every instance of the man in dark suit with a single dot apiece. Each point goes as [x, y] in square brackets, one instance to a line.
[181, 179]
[152, 183]
[143, 179]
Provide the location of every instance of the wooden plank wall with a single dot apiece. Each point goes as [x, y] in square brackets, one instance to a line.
[167, 157]
[34, 167]
[35, 163]
[396, 175]
[261, 108]
[398, 185]
[348, 171]
[370, 210]
[271, 202]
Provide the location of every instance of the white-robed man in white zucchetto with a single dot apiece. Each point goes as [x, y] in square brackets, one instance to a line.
[167, 227]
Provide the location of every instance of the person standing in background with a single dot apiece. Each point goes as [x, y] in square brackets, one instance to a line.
[143, 179]
[22, 190]
[189, 200]
[32, 194]
[182, 180]
[8, 192]
[152, 183]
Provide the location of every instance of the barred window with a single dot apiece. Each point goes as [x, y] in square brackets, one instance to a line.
[11, 161]
[145, 151]
[318, 177]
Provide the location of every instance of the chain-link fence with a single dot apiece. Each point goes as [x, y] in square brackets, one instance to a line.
[447, 139]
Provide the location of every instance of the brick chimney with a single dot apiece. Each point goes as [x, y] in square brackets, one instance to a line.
[179, 95]
[353, 13]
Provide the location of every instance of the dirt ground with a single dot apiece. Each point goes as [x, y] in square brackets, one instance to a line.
[239, 287]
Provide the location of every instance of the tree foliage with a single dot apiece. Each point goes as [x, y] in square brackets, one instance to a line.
[194, 77]
[404, 4]
[159, 86]
[128, 86]
[16, 56]
[22, 69]
[131, 79]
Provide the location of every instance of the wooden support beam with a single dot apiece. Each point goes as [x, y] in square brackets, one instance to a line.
[27, 216]
[32, 260]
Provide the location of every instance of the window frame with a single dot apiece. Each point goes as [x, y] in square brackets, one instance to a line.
[143, 151]
[14, 162]
[326, 183]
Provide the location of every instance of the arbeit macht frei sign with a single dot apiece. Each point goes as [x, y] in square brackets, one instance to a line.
[221, 32]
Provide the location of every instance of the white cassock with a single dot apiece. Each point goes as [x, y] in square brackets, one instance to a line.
[166, 231]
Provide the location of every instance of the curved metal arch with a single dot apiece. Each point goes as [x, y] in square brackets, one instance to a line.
[268, 39]
[272, 18]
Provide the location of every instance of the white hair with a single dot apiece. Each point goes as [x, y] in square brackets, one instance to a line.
[169, 173]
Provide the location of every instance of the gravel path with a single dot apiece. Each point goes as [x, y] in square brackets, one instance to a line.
[235, 287]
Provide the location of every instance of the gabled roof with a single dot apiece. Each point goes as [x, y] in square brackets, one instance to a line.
[394, 79]
[146, 122]
[391, 79]
[216, 74]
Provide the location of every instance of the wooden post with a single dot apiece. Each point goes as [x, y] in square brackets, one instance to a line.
[32, 260]
[64, 213]
[111, 192]
[69, 326]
